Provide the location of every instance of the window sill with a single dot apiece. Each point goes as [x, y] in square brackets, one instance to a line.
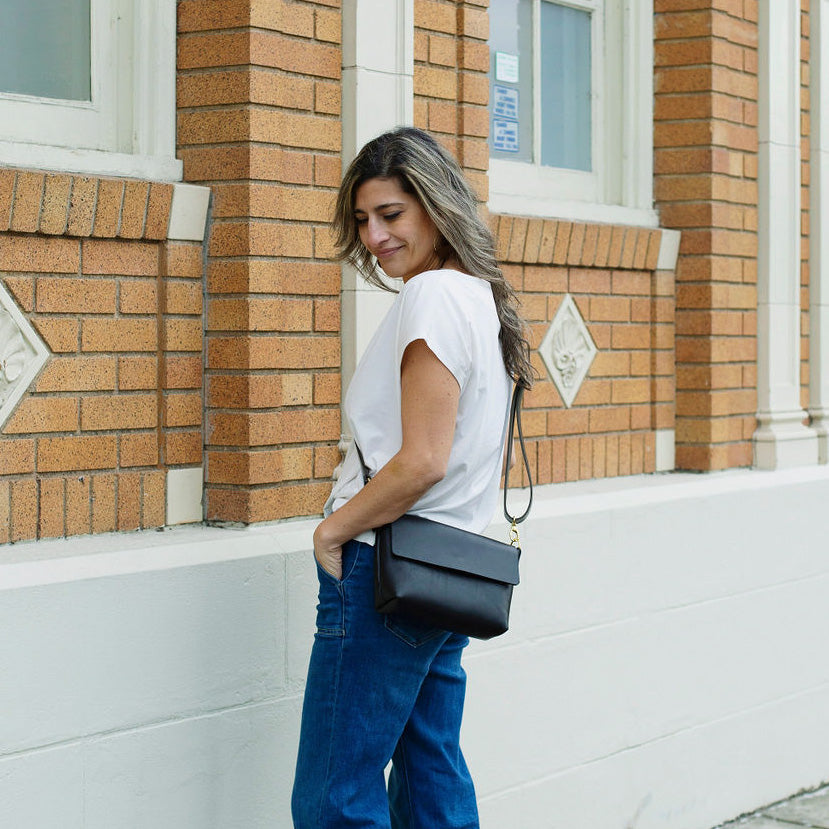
[93, 162]
[514, 204]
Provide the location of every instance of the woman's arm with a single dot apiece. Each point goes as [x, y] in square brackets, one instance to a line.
[429, 407]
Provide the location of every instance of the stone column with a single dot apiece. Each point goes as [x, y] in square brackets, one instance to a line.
[781, 439]
[819, 236]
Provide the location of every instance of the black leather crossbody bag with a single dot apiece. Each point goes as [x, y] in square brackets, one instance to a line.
[444, 577]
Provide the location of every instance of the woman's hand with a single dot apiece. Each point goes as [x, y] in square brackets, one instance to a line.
[328, 552]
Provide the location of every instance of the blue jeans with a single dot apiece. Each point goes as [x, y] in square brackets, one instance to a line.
[380, 689]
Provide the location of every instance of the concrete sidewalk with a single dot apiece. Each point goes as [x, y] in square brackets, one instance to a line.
[807, 811]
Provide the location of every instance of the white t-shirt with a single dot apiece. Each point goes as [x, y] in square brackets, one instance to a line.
[455, 314]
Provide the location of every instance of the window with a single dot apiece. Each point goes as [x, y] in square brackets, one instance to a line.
[571, 109]
[89, 86]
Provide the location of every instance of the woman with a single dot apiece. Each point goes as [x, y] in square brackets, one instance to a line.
[427, 406]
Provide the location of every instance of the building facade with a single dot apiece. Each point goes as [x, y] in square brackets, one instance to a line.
[175, 334]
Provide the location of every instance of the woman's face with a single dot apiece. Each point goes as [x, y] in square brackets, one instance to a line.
[395, 228]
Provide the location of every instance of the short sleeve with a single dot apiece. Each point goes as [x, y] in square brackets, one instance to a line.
[438, 307]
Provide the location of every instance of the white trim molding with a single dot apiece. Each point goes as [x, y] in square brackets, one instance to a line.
[188, 212]
[781, 440]
[819, 238]
[378, 65]
[185, 488]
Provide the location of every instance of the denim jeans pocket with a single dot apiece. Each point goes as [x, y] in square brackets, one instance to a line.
[412, 633]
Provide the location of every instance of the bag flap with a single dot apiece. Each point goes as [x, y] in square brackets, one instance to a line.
[431, 542]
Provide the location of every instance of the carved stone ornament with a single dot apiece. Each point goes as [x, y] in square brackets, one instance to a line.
[22, 354]
[568, 350]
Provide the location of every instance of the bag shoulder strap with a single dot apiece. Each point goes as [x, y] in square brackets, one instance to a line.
[514, 419]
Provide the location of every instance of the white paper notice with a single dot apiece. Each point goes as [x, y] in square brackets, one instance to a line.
[506, 67]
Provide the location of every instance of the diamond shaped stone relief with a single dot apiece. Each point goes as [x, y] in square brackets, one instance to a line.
[22, 354]
[568, 350]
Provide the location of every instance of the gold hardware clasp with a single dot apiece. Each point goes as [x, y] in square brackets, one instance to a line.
[514, 540]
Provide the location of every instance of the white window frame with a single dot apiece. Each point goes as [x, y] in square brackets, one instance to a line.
[128, 128]
[619, 189]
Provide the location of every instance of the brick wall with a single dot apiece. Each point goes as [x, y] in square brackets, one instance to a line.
[628, 307]
[705, 163]
[259, 120]
[451, 83]
[119, 400]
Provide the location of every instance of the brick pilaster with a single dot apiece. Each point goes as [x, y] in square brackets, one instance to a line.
[259, 120]
[705, 165]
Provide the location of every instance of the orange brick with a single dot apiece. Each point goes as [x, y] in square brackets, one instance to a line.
[136, 373]
[183, 448]
[183, 297]
[60, 454]
[328, 25]
[183, 260]
[39, 254]
[51, 508]
[82, 206]
[118, 335]
[548, 242]
[441, 50]
[138, 296]
[436, 82]
[22, 288]
[54, 212]
[611, 455]
[154, 502]
[183, 410]
[631, 282]
[78, 506]
[610, 308]
[103, 503]
[576, 244]
[326, 389]
[28, 195]
[79, 296]
[108, 208]
[567, 422]
[24, 509]
[120, 257]
[299, 130]
[158, 211]
[327, 170]
[183, 335]
[183, 372]
[584, 281]
[473, 23]
[630, 390]
[5, 511]
[134, 411]
[268, 429]
[7, 177]
[265, 352]
[609, 419]
[61, 335]
[16, 457]
[631, 336]
[326, 315]
[138, 450]
[129, 501]
[603, 241]
[435, 16]
[44, 414]
[134, 210]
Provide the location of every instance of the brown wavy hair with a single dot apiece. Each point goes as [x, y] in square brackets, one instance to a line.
[426, 171]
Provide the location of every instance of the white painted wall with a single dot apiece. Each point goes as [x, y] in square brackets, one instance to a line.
[665, 666]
